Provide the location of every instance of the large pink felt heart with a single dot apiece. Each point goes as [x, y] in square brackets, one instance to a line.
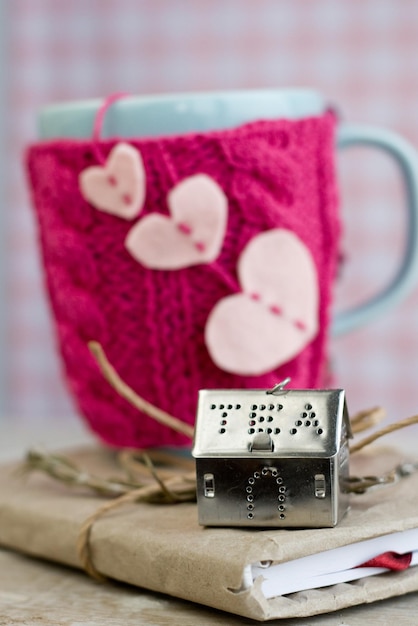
[192, 234]
[119, 186]
[275, 316]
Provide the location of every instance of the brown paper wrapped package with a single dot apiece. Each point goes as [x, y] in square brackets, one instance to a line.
[162, 547]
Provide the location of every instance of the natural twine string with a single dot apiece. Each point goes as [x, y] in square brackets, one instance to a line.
[391, 428]
[113, 378]
[146, 483]
[363, 420]
[176, 483]
[177, 489]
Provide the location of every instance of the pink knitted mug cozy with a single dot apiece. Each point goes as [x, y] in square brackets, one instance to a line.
[202, 260]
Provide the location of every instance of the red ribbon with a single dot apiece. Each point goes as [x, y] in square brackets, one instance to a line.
[390, 560]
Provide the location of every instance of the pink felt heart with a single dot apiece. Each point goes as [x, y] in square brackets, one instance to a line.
[275, 316]
[119, 186]
[192, 234]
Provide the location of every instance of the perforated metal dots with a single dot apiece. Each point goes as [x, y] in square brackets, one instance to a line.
[266, 473]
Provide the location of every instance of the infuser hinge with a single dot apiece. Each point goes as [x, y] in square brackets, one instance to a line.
[262, 442]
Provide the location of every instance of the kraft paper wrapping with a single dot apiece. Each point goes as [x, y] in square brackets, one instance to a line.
[162, 547]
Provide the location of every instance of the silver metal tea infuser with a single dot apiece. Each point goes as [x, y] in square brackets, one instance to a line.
[272, 458]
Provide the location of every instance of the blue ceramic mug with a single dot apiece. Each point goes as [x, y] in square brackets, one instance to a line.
[150, 116]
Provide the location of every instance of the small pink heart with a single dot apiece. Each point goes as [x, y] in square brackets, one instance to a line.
[192, 234]
[276, 316]
[119, 186]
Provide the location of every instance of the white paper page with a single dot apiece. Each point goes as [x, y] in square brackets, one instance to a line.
[332, 566]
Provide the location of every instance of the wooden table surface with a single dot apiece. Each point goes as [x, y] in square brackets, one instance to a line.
[34, 592]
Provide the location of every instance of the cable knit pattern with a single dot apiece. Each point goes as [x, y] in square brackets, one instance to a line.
[151, 322]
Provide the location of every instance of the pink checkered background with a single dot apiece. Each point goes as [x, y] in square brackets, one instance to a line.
[362, 55]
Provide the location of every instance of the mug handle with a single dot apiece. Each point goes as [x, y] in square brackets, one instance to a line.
[406, 277]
